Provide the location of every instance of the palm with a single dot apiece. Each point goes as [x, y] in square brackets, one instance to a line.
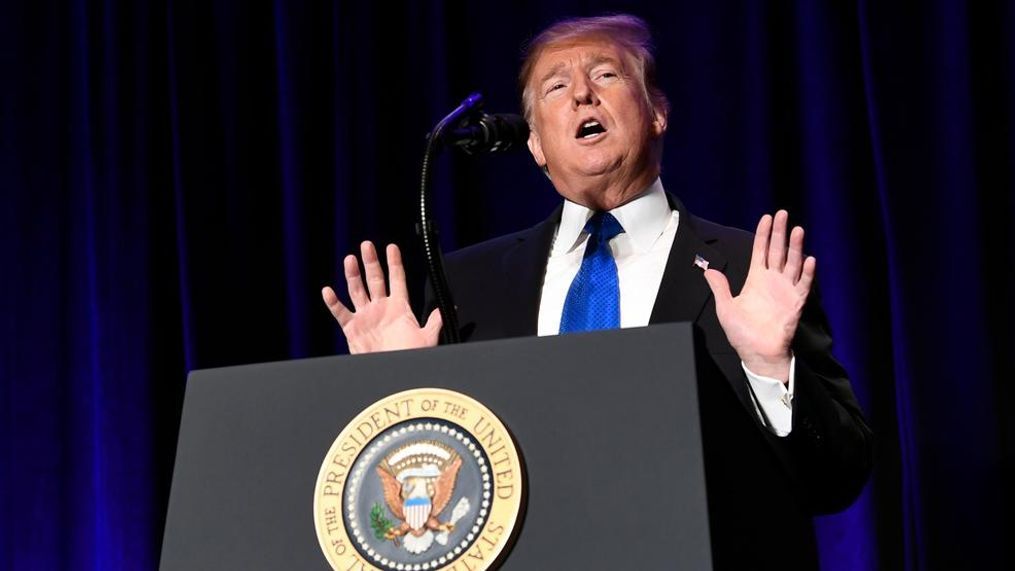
[386, 324]
[760, 322]
[765, 314]
[381, 322]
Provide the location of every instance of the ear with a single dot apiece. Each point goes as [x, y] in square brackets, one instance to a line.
[536, 148]
[659, 121]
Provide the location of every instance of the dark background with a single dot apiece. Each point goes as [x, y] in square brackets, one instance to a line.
[179, 179]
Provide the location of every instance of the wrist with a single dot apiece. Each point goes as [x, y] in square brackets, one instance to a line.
[776, 367]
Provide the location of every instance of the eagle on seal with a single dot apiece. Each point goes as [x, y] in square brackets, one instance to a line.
[416, 496]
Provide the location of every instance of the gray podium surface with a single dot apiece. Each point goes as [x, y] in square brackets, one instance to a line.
[606, 423]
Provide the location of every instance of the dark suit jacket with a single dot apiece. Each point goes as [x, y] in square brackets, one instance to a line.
[762, 488]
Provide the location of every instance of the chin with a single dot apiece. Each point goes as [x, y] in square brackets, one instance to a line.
[599, 166]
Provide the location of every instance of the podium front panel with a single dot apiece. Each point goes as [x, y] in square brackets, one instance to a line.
[606, 423]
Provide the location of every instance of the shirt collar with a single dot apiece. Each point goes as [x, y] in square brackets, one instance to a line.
[643, 219]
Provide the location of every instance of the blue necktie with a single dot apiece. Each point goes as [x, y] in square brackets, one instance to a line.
[593, 302]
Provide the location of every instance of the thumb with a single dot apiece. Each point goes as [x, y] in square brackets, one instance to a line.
[433, 324]
[719, 285]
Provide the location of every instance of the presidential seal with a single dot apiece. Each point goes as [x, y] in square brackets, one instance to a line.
[421, 480]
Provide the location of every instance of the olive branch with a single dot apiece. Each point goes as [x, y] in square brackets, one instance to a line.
[378, 522]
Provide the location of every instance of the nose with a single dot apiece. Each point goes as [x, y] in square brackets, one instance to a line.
[584, 93]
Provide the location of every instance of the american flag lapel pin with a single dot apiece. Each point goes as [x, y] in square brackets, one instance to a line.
[700, 262]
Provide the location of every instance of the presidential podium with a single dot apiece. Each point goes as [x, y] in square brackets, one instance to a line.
[606, 425]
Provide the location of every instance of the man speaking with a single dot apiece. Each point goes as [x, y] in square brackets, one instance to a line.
[784, 438]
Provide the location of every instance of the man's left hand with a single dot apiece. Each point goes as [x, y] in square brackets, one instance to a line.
[760, 322]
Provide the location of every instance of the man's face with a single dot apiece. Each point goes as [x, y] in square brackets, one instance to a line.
[593, 127]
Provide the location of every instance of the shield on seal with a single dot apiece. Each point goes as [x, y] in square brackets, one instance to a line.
[417, 512]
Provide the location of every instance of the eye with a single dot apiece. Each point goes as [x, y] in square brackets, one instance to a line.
[555, 86]
[606, 74]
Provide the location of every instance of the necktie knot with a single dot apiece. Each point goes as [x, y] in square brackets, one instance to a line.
[603, 227]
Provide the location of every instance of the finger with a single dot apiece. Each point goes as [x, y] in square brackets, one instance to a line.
[795, 258]
[375, 274]
[354, 281]
[433, 326]
[777, 245]
[396, 273]
[340, 311]
[759, 254]
[807, 275]
[720, 287]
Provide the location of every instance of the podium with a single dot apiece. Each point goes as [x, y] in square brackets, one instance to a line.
[606, 424]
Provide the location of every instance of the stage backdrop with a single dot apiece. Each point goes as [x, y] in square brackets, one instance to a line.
[179, 179]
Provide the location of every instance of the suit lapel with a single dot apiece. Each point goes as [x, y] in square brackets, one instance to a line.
[526, 260]
[683, 291]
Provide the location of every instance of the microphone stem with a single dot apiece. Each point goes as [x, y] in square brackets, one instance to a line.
[428, 230]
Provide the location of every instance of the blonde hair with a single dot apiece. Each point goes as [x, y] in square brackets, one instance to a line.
[629, 32]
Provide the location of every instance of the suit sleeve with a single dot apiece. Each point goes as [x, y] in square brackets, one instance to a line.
[830, 445]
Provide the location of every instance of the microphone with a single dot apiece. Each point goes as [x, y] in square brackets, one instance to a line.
[473, 131]
[485, 133]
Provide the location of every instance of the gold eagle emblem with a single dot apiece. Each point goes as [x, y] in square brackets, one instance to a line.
[418, 481]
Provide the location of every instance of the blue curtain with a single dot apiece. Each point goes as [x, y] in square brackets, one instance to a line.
[180, 178]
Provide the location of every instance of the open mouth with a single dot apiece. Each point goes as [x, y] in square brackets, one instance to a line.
[590, 129]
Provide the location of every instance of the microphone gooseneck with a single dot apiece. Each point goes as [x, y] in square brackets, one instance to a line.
[473, 132]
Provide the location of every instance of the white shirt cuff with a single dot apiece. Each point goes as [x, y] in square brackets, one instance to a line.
[775, 398]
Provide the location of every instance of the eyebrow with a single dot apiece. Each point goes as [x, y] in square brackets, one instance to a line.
[554, 71]
[602, 58]
[595, 60]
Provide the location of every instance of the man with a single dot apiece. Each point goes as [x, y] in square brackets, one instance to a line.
[784, 437]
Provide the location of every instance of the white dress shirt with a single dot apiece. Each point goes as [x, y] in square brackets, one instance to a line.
[641, 252]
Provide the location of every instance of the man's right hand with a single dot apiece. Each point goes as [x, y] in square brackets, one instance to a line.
[381, 322]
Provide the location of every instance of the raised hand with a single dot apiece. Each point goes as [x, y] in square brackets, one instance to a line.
[761, 321]
[381, 322]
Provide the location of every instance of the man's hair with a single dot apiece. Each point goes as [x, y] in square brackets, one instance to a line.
[631, 33]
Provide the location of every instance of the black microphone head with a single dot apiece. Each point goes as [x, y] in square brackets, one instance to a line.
[491, 133]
